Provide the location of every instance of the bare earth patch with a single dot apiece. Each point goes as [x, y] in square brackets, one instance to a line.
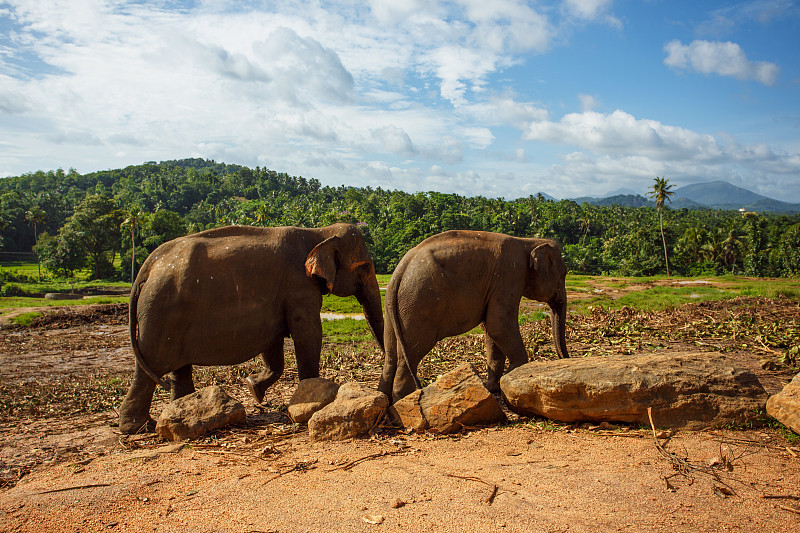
[65, 467]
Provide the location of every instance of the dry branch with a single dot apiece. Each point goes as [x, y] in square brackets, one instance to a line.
[351, 464]
[78, 487]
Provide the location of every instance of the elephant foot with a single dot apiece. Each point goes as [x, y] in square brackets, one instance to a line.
[254, 389]
[133, 426]
[493, 386]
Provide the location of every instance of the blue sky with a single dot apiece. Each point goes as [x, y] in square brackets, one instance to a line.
[499, 98]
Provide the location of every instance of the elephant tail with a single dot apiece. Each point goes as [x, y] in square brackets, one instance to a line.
[391, 315]
[133, 322]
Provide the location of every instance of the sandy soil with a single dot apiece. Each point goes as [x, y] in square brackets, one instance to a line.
[65, 467]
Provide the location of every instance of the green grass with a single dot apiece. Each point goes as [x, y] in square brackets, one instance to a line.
[344, 306]
[532, 316]
[772, 288]
[26, 301]
[25, 268]
[660, 298]
[26, 318]
[346, 330]
[576, 282]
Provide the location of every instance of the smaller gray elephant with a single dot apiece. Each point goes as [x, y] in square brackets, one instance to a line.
[456, 280]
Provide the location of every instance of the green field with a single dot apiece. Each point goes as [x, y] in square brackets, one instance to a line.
[585, 293]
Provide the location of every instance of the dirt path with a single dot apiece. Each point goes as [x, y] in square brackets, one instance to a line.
[522, 478]
[65, 467]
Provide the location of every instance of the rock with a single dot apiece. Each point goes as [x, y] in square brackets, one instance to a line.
[62, 296]
[354, 412]
[310, 396]
[689, 390]
[455, 400]
[785, 406]
[198, 413]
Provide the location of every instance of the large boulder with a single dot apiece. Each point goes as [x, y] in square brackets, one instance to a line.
[456, 400]
[785, 406]
[688, 390]
[196, 414]
[310, 396]
[355, 411]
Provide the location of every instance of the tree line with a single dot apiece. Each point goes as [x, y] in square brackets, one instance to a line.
[74, 221]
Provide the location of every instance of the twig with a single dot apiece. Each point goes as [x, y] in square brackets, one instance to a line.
[790, 509]
[351, 464]
[490, 499]
[683, 466]
[299, 467]
[91, 486]
[495, 488]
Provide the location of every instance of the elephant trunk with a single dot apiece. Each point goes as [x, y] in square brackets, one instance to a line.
[558, 304]
[369, 296]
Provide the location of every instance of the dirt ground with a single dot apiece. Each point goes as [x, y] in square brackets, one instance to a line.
[65, 467]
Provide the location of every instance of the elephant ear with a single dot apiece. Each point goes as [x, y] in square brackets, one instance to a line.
[539, 254]
[321, 262]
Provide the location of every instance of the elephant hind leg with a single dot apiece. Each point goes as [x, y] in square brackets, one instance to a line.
[134, 412]
[274, 363]
[495, 364]
[386, 381]
[182, 384]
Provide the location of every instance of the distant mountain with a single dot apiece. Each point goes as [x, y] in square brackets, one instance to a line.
[723, 195]
[710, 195]
[546, 196]
[626, 200]
[718, 194]
[623, 191]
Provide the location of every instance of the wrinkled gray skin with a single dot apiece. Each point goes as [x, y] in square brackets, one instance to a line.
[224, 296]
[457, 280]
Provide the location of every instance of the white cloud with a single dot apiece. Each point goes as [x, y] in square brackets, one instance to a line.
[620, 132]
[397, 11]
[588, 102]
[587, 9]
[397, 93]
[395, 140]
[592, 11]
[723, 58]
[619, 150]
[508, 26]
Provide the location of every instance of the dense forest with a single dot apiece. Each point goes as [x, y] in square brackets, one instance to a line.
[77, 220]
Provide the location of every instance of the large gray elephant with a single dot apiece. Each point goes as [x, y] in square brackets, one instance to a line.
[226, 295]
[456, 280]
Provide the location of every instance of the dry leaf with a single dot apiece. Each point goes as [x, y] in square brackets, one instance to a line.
[722, 492]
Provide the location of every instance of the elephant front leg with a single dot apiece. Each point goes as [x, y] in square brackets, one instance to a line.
[274, 363]
[306, 332]
[503, 341]
[134, 413]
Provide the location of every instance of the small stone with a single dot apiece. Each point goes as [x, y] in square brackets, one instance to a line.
[374, 519]
[398, 503]
[310, 396]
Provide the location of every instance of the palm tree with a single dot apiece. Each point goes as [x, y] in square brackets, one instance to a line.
[732, 249]
[133, 222]
[661, 192]
[35, 216]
